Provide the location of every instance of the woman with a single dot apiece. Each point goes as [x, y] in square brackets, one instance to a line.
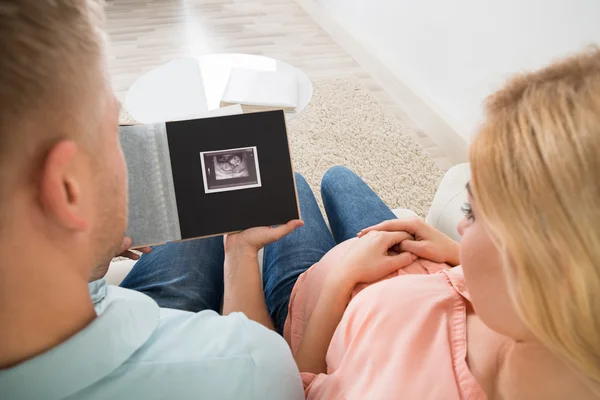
[520, 318]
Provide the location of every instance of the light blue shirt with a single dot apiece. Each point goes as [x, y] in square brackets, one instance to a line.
[136, 350]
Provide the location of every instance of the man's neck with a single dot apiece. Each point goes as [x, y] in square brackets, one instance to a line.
[40, 307]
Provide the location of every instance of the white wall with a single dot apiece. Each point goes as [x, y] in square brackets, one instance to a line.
[454, 53]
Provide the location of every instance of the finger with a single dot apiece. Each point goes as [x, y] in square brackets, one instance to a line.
[144, 250]
[280, 231]
[401, 260]
[130, 254]
[396, 262]
[417, 247]
[409, 225]
[393, 238]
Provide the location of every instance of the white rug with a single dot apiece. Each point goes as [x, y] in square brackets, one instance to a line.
[345, 125]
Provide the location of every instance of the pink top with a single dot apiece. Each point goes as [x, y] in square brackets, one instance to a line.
[402, 338]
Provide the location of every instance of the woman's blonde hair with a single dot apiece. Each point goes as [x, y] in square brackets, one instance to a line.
[536, 179]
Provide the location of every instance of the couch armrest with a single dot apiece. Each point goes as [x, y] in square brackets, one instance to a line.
[445, 212]
[402, 213]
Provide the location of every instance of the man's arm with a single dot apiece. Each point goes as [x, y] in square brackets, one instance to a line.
[243, 287]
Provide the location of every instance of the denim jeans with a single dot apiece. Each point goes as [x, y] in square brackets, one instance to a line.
[189, 275]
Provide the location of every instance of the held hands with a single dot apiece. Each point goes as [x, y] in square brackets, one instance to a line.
[372, 257]
[428, 242]
[251, 240]
[386, 247]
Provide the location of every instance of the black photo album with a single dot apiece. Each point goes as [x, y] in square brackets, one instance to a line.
[207, 177]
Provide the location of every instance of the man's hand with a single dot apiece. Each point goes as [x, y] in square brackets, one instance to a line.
[372, 257]
[428, 242]
[243, 283]
[124, 251]
[252, 240]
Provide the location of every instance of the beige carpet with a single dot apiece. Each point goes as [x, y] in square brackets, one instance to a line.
[345, 125]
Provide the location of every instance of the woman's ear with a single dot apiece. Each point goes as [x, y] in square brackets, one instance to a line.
[60, 190]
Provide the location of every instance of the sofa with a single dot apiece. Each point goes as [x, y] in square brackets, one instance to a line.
[445, 214]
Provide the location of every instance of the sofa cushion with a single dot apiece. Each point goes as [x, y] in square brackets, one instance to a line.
[445, 212]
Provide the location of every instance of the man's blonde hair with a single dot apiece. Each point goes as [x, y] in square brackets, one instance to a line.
[536, 179]
[48, 55]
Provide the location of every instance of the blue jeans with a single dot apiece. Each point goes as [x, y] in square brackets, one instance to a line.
[189, 275]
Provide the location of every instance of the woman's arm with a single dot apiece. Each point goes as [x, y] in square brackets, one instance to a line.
[368, 260]
[323, 321]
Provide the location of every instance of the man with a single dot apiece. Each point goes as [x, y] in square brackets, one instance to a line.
[62, 218]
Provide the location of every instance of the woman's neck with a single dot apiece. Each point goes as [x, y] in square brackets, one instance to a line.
[528, 370]
[512, 370]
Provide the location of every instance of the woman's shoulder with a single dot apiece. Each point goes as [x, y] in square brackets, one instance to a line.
[456, 278]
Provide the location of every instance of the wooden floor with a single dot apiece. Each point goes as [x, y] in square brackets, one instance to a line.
[148, 33]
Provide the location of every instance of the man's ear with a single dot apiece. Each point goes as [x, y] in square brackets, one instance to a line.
[60, 191]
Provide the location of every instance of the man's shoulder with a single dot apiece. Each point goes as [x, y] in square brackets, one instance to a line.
[208, 355]
[182, 336]
[204, 335]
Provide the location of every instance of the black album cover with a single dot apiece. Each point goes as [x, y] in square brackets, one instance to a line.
[231, 173]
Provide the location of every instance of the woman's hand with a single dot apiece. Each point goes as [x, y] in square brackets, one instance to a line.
[428, 242]
[252, 240]
[373, 257]
[368, 259]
